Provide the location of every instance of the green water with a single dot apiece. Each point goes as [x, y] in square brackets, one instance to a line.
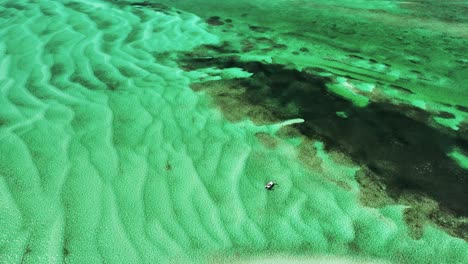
[107, 155]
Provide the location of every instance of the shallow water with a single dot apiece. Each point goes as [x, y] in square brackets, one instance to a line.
[144, 132]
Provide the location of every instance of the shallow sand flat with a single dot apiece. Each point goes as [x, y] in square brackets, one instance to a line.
[108, 155]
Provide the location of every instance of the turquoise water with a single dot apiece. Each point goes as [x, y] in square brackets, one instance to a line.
[144, 132]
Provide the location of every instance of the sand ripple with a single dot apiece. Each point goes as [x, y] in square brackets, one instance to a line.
[106, 154]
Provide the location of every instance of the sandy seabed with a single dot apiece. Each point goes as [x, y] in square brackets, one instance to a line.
[108, 156]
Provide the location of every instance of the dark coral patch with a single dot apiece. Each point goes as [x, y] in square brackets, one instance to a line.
[446, 115]
[214, 21]
[259, 29]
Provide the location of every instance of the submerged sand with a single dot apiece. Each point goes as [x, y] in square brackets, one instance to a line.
[108, 156]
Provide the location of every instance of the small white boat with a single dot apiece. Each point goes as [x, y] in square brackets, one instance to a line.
[270, 185]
